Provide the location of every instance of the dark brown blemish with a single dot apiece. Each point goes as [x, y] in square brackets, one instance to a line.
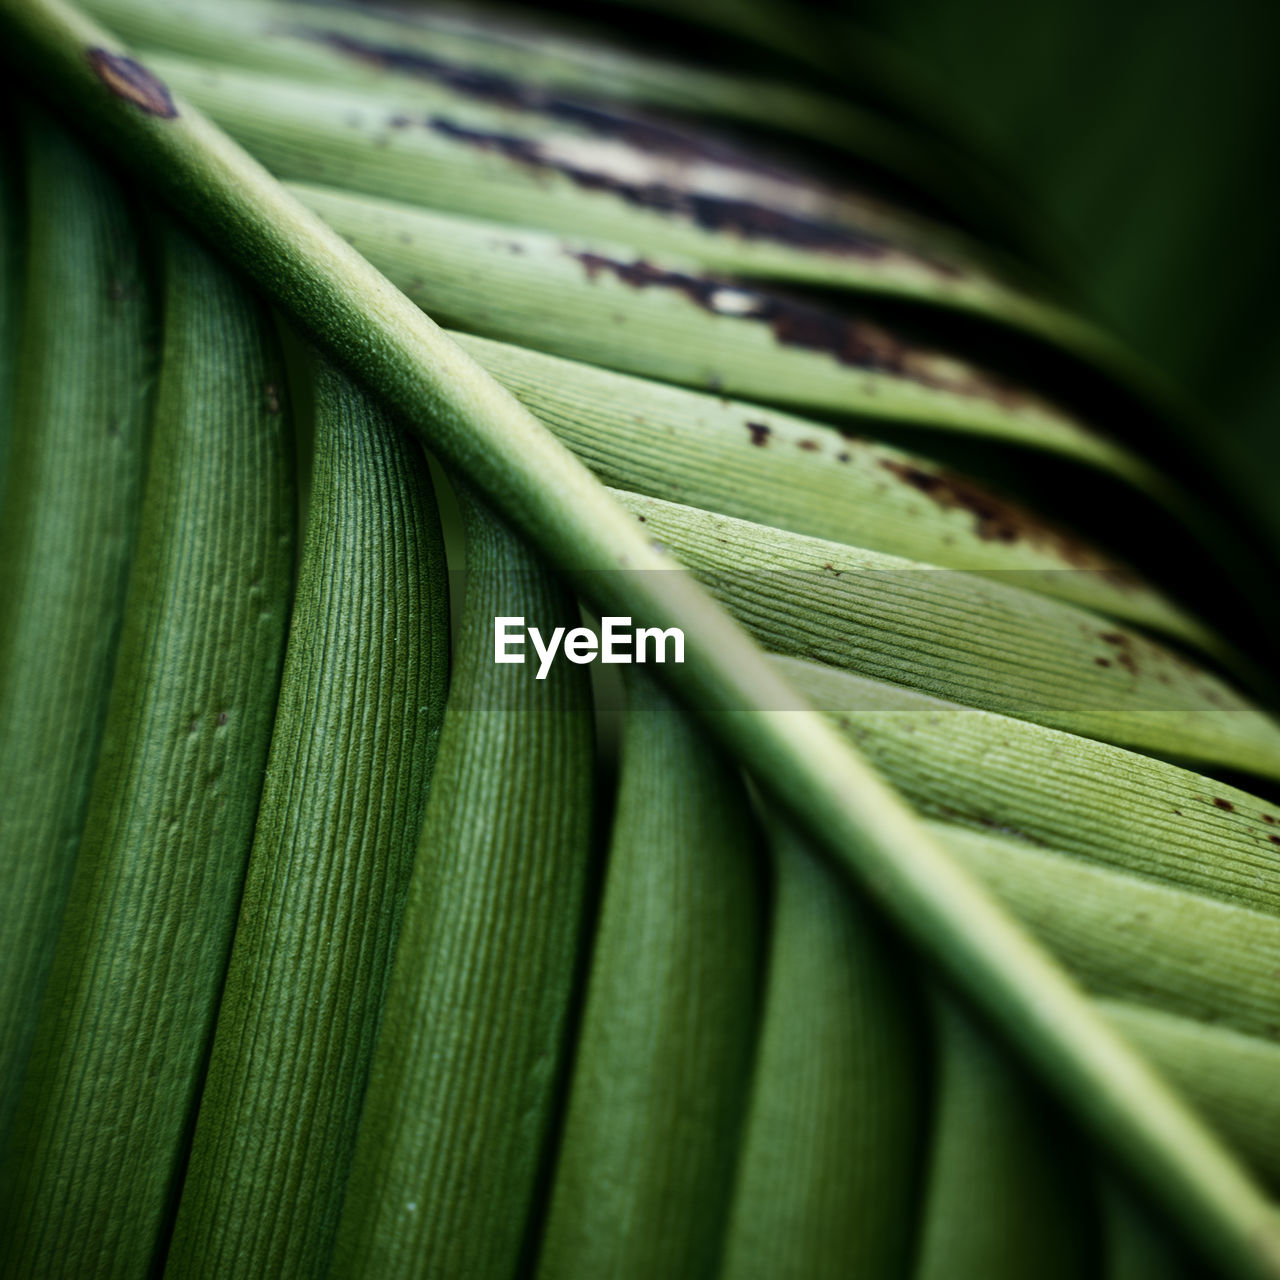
[1274, 839]
[644, 132]
[1219, 803]
[1103, 662]
[1268, 819]
[996, 519]
[810, 446]
[759, 432]
[746, 218]
[131, 81]
[1125, 657]
[847, 340]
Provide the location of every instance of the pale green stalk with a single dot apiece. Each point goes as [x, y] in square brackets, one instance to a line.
[555, 502]
[1231, 1078]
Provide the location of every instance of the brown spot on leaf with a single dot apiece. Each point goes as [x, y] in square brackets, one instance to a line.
[846, 339]
[759, 433]
[746, 218]
[1219, 803]
[996, 519]
[1103, 662]
[131, 81]
[810, 446]
[1268, 819]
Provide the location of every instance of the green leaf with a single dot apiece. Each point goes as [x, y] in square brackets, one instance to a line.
[1087, 798]
[351, 754]
[827, 1175]
[457, 1124]
[661, 1067]
[551, 70]
[123, 1036]
[974, 641]
[751, 461]
[611, 305]
[1126, 937]
[66, 544]
[555, 503]
[996, 1205]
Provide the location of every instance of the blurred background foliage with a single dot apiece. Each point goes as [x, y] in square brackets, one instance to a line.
[1145, 133]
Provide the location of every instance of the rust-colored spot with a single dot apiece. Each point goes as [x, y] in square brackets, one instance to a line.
[1117, 638]
[1103, 662]
[810, 446]
[995, 518]
[1268, 819]
[1219, 803]
[1274, 839]
[759, 432]
[131, 81]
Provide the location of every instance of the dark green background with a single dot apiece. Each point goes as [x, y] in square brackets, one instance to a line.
[1146, 133]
